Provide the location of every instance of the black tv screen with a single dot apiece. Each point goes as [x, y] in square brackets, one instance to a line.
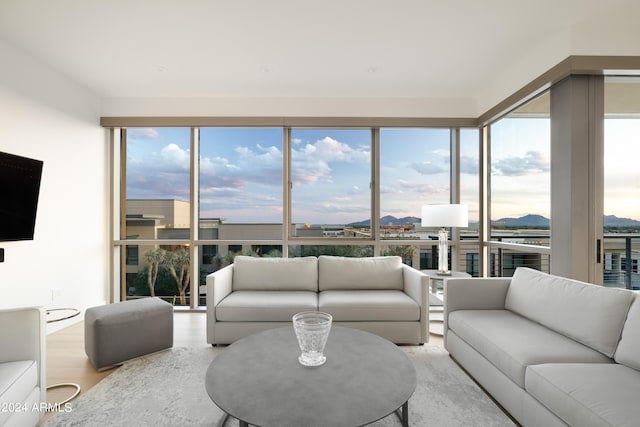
[19, 190]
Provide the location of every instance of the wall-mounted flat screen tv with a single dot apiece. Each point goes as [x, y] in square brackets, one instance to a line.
[19, 191]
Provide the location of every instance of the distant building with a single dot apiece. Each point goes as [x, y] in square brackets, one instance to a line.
[168, 219]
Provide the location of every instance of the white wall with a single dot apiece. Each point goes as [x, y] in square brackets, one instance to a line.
[44, 115]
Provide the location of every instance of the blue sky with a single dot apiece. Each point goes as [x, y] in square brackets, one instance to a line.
[331, 174]
[241, 171]
[414, 170]
[241, 174]
[520, 168]
[158, 163]
[621, 171]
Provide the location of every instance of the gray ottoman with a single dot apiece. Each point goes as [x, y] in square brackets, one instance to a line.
[117, 332]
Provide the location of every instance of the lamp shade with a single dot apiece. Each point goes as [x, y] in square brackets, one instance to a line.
[445, 216]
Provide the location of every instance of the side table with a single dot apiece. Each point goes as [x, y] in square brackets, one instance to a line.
[436, 298]
[63, 314]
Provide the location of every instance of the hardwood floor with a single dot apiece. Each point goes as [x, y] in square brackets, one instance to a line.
[68, 363]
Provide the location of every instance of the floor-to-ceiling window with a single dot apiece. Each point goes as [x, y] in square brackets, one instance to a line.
[520, 191]
[330, 181]
[155, 218]
[330, 187]
[239, 186]
[469, 181]
[240, 195]
[415, 166]
[622, 182]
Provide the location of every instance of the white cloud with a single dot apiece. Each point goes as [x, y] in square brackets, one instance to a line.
[262, 166]
[350, 208]
[427, 168]
[469, 165]
[532, 162]
[143, 133]
[386, 189]
[422, 188]
[311, 163]
[172, 155]
[355, 190]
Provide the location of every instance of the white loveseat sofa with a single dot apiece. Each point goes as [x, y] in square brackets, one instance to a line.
[378, 294]
[22, 366]
[551, 351]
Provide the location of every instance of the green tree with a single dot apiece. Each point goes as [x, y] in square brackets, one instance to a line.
[178, 263]
[405, 252]
[153, 257]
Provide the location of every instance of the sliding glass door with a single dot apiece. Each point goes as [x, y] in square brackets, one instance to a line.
[622, 183]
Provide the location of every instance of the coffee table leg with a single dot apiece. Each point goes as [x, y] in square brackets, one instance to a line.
[223, 421]
[403, 414]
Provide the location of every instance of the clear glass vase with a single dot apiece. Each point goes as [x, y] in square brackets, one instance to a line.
[312, 330]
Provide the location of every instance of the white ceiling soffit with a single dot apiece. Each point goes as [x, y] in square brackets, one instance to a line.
[435, 49]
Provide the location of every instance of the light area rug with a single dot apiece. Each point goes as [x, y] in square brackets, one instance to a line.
[167, 389]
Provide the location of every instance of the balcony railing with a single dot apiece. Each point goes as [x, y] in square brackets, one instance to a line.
[621, 258]
[507, 253]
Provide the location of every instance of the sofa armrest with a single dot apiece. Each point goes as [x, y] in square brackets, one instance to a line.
[416, 285]
[474, 294]
[24, 337]
[219, 285]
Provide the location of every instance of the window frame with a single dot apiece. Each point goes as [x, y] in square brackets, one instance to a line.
[118, 137]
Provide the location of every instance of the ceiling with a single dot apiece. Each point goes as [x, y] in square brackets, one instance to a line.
[290, 48]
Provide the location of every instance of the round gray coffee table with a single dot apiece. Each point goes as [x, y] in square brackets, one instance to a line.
[259, 381]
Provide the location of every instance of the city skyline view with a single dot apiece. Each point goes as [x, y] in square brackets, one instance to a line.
[241, 171]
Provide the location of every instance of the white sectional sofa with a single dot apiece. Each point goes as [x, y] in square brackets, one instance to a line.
[22, 366]
[377, 294]
[551, 351]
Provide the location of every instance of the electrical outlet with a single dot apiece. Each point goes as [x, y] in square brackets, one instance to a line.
[55, 294]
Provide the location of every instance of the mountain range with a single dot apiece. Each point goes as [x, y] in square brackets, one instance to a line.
[541, 221]
[614, 221]
[523, 221]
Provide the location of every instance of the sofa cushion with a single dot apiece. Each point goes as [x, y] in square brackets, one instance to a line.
[265, 306]
[511, 342]
[17, 380]
[354, 306]
[587, 394]
[275, 274]
[590, 314]
[628, 351]
[373, 273]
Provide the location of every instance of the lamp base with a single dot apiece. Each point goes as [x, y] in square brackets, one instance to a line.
[443, 252]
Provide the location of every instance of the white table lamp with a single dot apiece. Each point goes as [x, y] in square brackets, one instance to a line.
[444, 216]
